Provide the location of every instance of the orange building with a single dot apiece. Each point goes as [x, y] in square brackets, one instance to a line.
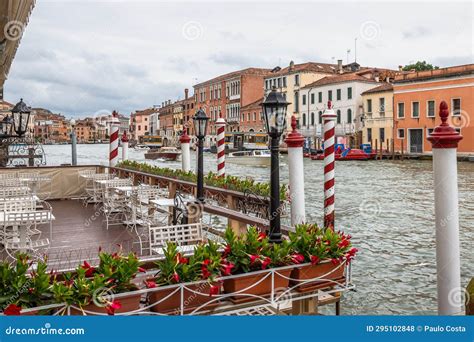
[417, 96]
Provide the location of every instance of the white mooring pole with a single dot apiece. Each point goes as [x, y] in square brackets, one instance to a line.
[185, 151]
[124, 146]
[295, 142]
[444, 140]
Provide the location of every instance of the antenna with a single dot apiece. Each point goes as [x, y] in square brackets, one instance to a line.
[348, 53]
[355, 50]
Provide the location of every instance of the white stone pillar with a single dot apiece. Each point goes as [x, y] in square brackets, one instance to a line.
[185, 151]
[295, 142]
[444, 140]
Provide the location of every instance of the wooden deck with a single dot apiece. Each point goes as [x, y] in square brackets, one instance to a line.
[78, 232]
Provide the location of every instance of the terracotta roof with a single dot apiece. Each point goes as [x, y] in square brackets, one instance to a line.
[253, 104]
[147, 111]
[381, 88]
[351, 77]
[457, 70]
[307, 67]
[248, 71]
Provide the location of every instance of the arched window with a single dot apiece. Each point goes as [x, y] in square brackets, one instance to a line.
[304, 119]
[338, 116]
[349, 115]
[320, 115]
[312, 119]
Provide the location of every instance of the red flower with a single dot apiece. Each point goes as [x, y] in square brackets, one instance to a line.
[213, 290]
[261, 236]
[206, 262]
[150, 284]
[253, 258]
[266, 262]
[205, 273]
[297, 258]
[227, 250]
[227, 269]
[335, 261]
[176, 277]
[314, 259]
[89, 269]
[141, 270]
[12, 310]
[343, 243]
[182, 260]
[115, 305]
[353, 251]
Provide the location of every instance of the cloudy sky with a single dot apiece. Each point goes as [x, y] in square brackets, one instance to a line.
[81, 57]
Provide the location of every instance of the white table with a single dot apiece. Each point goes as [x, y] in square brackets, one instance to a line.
[20, 198]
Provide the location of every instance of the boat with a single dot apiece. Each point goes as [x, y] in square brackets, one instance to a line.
[347, 154]
[163, 153]
[253, 158]
[141, 147]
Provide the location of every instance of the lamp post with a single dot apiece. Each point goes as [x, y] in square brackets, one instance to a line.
[73, 142]
[21, 117]
[200, 127]
[274, 111]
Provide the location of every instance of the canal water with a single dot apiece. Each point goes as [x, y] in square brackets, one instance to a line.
[388, 208]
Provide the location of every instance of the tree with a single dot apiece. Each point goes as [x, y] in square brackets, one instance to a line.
[419, 66]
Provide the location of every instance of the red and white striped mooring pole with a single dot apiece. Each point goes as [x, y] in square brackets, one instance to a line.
[329, 118]
[114, 139]
[444, 140]
[220, 124]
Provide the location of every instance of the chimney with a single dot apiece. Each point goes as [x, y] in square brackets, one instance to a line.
[400, 68]
[292, 65]
[186, 93]
[339, 66]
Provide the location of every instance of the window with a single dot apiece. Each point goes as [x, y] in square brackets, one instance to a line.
[401, 133]
[349, 93]
[369, 106]
[312, 119]
[320, 97]
[382, 105]
[338, 116]
[297, 80]
[330, 95]
[415, 109]
[303, 99]
[304, 119]
[266, 84]
[401, 110]
[338, 94]
[297, 107]
[254, 116]
[284, 82]
[382, 134]
[456, 107]
[430, 109]
[430, 130]
[279, 82]
[349, 115]
[320, 117]
[248, 117]
[369, 134]
[312, 98]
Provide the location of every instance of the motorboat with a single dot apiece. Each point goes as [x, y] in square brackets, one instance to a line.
[163, 153]
[347, 154]
[253, 158]
[141, 147]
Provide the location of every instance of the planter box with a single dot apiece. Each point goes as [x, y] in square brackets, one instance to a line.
[129, 303]
[263, 289]
[191, 300]
[470, 307]
[303, 273]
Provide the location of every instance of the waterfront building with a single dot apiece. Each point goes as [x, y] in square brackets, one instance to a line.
[178, 119]
[417, 96]
[50, 128]
[154, 122]
[166, 123]
[140, 123]
[344, 91]
[252, 117]
[377, 117]
[227, 94]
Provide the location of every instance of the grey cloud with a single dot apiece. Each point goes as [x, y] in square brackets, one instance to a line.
[416, 32]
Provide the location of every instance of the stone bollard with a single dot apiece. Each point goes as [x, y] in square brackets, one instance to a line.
[295, 141]
[444, 140]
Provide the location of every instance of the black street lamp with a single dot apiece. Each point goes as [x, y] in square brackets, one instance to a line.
[21, 117]
[274, 111]
[200, 127]
[6, 127]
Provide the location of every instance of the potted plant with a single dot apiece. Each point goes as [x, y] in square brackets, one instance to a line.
[92, 289]
[470, 298]
[248, 254]
[198, 273]
[326, 252]
[23, 289]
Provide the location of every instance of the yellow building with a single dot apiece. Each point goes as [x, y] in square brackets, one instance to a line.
[378, 116]
[292, 79]
[178, 113]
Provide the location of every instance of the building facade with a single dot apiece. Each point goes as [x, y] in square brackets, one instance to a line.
[140, 123]
[377, 123]
[417, 97]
